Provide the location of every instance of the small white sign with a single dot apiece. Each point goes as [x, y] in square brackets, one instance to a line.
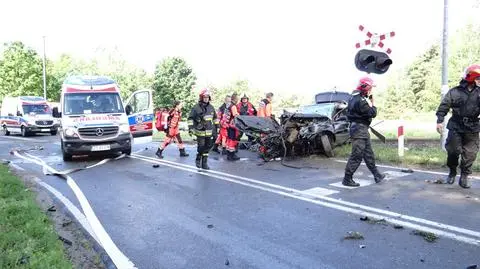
[100, 147]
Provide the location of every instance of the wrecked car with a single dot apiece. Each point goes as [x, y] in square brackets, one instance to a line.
[312, 129]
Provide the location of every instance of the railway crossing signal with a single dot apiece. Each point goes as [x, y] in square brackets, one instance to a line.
[373, 61]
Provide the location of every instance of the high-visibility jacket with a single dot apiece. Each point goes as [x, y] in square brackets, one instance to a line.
[265, 108]
[246, 109]
[203, 120]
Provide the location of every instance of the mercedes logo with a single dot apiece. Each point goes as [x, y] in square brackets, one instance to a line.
[99, 132]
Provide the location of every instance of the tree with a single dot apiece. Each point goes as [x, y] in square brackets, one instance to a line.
[20, 71]
[174, 80]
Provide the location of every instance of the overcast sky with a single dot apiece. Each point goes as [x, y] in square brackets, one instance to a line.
[299, 46]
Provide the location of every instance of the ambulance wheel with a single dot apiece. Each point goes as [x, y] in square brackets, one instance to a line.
[327, 145]
[5, 130]
[128, 152]
[24, 131]
[66, 157]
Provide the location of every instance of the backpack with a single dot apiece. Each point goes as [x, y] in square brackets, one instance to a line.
[161, 121]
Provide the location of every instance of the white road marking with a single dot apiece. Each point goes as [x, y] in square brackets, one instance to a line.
[118, 258]
[318, 191]
[16, 167]
[72, 208]
[414, 170]
[362, 182]
[367, 182]
[300, 196]
[330, 202]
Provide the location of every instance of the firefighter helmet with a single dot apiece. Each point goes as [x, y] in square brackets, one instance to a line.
[205, 92]
[471, 73]
[244, 97]
[365, 84]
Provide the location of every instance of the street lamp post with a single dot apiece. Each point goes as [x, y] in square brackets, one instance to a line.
[444, 64]
[44, 72]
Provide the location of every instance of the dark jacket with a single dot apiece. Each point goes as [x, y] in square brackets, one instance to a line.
[246, 109]
[203, 120]
[465, 107]
[359, 111]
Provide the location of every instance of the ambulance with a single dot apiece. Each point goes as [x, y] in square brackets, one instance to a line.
[27, 115]
[95, 120]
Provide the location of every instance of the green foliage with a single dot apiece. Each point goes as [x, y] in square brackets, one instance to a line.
[174, 80]
[20, 71]
[27, 237]
[417, 88]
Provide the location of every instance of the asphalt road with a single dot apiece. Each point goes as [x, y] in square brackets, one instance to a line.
[250, 214]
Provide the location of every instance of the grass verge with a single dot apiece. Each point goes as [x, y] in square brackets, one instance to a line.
[421, 155]
[27, 237]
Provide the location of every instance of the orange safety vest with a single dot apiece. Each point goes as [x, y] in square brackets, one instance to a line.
[265, 109]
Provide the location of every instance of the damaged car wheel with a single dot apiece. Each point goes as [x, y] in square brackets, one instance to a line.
[327, 145]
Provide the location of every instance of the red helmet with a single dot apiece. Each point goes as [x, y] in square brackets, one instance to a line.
[205, 92]
[471, 73]
[365, 84]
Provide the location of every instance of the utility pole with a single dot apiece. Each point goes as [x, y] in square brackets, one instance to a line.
[445, 65]
[44, 72]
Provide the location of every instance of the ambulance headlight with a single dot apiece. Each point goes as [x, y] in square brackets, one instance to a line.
[31, 122]
[70, 132]
[124, 128]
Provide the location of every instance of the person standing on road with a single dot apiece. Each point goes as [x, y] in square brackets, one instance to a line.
[265, 107]
[361, 111]
[173, 131]
[221, 139]
[245, 108]
[463, 126]
[232, 131]
[203, 123]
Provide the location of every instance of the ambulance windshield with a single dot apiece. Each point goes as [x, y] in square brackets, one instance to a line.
[36, 109]
[92, 103]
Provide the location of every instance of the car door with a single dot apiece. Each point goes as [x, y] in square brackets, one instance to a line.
[140, 113]
[342, 126]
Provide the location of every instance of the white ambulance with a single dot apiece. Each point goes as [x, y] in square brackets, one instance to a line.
[27, 115]
[94, 120]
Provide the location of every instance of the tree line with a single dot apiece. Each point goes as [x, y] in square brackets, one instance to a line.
[417, 87]
[21, 73]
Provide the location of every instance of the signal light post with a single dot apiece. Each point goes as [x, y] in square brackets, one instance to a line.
[373, 61]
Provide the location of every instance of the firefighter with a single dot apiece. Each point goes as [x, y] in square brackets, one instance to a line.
[203, 123]
[247, 109]
[361, 111]
[265, 107]
[232, 131]
[221, 139]
[463, 127]
[173, 131]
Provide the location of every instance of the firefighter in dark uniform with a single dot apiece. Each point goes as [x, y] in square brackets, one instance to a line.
[463, 127]
[203, 123]
[360, 113]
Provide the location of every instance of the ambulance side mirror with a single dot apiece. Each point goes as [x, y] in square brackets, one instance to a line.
[55, 113]
[128, 109]
[19, 114]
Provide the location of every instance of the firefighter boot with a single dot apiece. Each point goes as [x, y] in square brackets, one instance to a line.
[183, 153]
[451, 177]
[232, 156]
[198, 160]
[159, 153]
[204, 163]
[215, 149]
[464, 181]
[348, 181]
[224, 151]
[379, 177]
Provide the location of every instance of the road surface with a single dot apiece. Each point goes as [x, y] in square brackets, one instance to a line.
[250, 214]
